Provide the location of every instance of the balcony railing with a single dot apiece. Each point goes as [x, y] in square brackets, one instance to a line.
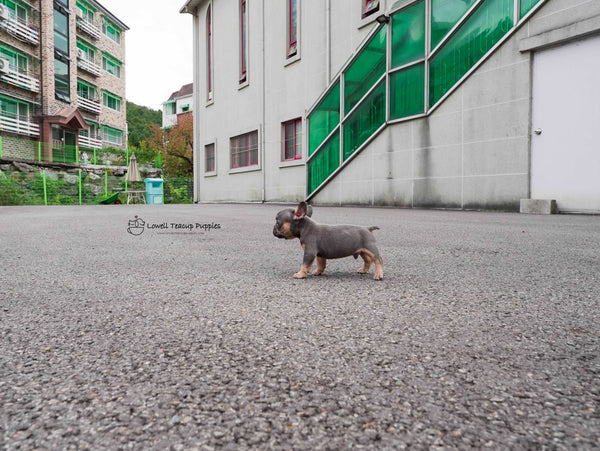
[88, 27]
[18, 124]
[89, 142]
[91, 105]
[22, 31]
[18, 78]
[88, 64]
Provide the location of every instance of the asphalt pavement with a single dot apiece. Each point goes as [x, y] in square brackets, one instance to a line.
[181, 327]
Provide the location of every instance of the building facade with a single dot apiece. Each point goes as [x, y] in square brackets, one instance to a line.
[179, 106]
[471, 104]
[62, 79]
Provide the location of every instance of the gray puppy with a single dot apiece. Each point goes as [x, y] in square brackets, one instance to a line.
[323, 241]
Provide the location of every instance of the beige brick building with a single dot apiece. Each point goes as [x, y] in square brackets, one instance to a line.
[62, 79]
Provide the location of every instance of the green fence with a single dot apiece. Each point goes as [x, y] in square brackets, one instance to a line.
[405, 69]
[79, 188]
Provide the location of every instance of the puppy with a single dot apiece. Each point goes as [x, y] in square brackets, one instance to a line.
[323, 241]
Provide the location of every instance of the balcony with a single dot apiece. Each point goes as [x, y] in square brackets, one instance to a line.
[18, 78]
[91, 105]
[87, 64]
[87, 26]
[22, 31]
[18, 124]
[89, 142]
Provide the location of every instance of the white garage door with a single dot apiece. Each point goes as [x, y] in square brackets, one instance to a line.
[565, 143]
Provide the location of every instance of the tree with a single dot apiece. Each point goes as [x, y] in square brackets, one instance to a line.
[176, 145]
[140, 120]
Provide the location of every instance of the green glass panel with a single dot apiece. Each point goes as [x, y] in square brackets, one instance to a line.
[444, 15]
[408, 35]
[407, 92]
[324, 119]
[526, 6]
[365, 120]
[492, 20]
[324, 163]
[364, 72]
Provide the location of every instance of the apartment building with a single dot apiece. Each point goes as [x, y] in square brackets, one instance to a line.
[462, 104]
[62, 79]
[178, 106]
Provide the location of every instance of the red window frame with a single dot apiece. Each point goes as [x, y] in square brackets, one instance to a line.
[369, 7]
[244, 150]
[292, 140]
[209, 31]
[243, 41]
[292, 28]
[209, 155]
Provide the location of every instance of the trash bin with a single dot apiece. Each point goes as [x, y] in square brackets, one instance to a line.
[154, 191]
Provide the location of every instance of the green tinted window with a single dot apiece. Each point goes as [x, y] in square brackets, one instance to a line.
[407, 92]
[408, 35]
[526, 6]
[444, 15]
[365, 70]
[324, 163]
[472, 41]
[324, 119]
[365, 120]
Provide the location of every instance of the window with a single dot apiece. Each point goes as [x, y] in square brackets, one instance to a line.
[244, 150]
[61, 53]
[61, 81]
[111, 101]
[90, 53]
[86, 12]
[292, 24]
[16, 11]
[111, 65]
[111, 30]
[292, 140]
[14, 109]
[61, 31]
[112, 135]
[243, 41]
[209, 155]
[170, 108]
[85, 90]
[369, 7]
[17, 62]
[209, 55]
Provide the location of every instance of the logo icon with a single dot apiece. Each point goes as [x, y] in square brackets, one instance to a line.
[136, 226]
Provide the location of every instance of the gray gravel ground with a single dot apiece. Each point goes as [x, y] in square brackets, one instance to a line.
[484, 333]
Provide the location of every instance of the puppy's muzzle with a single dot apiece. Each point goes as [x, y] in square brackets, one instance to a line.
[277, 233]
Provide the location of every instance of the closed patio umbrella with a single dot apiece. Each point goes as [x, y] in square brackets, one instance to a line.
[133, 175]
[133, 172]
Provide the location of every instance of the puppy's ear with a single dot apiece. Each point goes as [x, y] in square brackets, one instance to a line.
[300, 211]
[309, 211]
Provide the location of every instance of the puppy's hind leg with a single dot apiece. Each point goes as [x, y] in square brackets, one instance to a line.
[367, 262]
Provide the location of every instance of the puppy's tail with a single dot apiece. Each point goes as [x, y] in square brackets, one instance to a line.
[373, 228]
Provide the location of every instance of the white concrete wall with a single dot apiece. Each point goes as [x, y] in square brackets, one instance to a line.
[287, 90]
[472, 152]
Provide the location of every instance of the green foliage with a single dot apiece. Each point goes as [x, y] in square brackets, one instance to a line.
[140, 119]
[20, 188]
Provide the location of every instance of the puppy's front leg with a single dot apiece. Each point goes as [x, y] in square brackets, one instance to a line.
[305, 268]
[321, 264]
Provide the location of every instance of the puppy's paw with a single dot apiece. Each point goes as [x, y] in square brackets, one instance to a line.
[378, 276]
[300, 275]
